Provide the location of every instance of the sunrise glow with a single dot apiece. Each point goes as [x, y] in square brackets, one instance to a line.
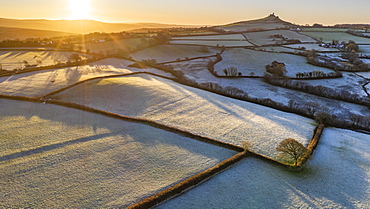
[80, 9]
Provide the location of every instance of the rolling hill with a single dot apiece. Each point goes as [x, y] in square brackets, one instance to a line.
[270, 22]
[78, 26]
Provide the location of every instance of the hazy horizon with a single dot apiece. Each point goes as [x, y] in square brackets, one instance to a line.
[191, 12]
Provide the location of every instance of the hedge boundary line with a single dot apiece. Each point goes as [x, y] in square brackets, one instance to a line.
[311, 147]
[188, 183]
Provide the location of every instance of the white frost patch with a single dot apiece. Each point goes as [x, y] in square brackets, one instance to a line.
[338, 176]
[194, 110]
[42, 82]
[57, 157]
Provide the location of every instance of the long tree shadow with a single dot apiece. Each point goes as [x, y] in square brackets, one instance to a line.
[55, 146]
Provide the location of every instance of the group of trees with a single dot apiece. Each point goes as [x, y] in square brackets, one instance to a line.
[232, 71]
[354, 62]
[276, 68]
[318, 74]
[280, 39]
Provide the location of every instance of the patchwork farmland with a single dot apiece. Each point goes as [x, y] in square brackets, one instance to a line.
[163, 120]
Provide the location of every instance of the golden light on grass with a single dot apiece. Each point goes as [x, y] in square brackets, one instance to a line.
[80, 9]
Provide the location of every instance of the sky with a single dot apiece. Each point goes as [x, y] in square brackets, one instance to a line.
[191, 12]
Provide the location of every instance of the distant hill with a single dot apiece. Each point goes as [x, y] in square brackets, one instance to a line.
[21, 33]
[79, 26]
[270, 22]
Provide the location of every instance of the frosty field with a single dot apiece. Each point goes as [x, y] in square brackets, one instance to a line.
[338, 176]
[236, 37]
[167, 53]
[13, 59]
[263, 38]
[113, 45]
[212, 43]
[328, 37]
[194, 110]
[54, 156]
[312, 46]
[42, 82]
[248, 61]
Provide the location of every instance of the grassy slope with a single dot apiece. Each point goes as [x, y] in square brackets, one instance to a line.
[112, 45]
[59, 157]
[192, 109]
[167, 53]
[262, 38]
[214, 37]
[338, 176]
[212, 43]
[247, 61]
[42, 82]
[329, 36]
[10, 59]
[312, 46]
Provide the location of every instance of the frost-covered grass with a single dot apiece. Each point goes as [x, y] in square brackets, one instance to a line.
[212, 43]
[274, 49]
[328, 37]
[13, 59]
[56, 157]
[194, 110]
[323, 30]
[197, 72]
[113, 45]
[364, 74]
[263, 38]
[312, 46]
[251, 61]
[338, 176]
[349, 82]
[39, 83]
[237, 37]
[365, 49]
[167, 53]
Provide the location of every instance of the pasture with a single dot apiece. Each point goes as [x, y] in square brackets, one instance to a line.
[14, 59]
[219, 43]
[338, 176]
[191, 109]
[328, 37]
[264, 37]
[38, 83]
[102, 47]
[249, 62]
[168, 53]
[54, 157]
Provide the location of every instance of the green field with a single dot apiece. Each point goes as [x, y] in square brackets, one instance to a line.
[56, 157]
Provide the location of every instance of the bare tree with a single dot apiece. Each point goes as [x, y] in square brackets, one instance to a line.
[291, 148]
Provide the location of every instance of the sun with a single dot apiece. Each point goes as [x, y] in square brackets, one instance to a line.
[80, 9]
